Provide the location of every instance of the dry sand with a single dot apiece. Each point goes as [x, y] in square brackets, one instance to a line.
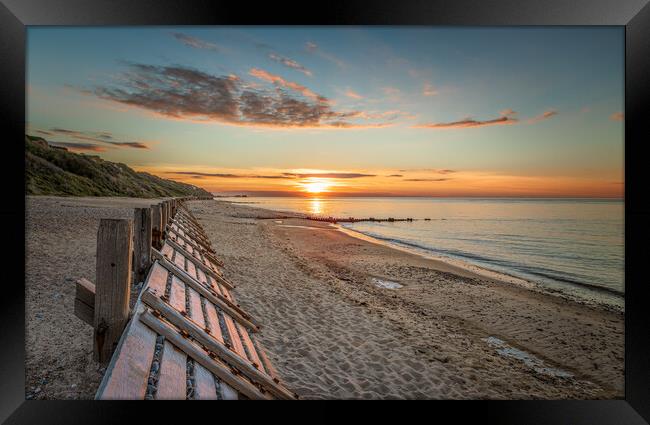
[328, 328]
[60, 239]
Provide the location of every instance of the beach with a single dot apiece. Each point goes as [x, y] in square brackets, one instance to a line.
[341, 317]
[446, 333]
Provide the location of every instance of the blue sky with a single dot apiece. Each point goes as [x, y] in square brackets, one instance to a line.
[535, 103]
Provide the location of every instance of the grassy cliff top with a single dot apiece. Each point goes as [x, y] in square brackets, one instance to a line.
[55, 171]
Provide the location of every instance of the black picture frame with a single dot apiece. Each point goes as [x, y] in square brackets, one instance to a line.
[15, 15]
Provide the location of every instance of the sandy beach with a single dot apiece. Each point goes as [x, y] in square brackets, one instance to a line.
[333, 325]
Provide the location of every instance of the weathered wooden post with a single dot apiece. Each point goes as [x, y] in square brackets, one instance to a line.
[112, 285]
[163, 209]
[142, 234]
[156, 226]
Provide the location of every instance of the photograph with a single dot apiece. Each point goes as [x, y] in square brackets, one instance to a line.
[325, 212]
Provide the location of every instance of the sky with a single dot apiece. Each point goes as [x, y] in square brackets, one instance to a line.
[349, 111]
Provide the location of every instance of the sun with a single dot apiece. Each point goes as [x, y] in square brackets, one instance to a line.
[315, 185]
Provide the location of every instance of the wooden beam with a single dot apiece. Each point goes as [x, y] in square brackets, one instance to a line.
[200, 356]
[198, 262]
[218, 299]
[165, 217]
[142, 234]
[196, 246]
[112, 285]
[84, 301]
[229, 356]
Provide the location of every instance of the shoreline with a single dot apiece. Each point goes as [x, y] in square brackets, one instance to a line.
[615, 304]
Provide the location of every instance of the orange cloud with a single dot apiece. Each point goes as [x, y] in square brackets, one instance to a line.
[276, 79]
[470, 123]
[353, 94]
[544, 116]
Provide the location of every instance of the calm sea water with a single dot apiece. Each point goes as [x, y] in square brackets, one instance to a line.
[566, 245]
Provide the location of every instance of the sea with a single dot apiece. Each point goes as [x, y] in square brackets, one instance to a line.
[571, 247]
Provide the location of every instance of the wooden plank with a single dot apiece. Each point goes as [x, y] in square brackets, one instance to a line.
[204, 384]
[84, 312]
[126, 376]
[172, 381]
[196, 311]
[179, 259]
[246, 339]
[191, 269]
[214, 298]
[213, 321]
[157, 279]
[177, 294]
[85, 291]
[112, 285]
[202, 278]
[167, 251]
[176, 319]
[199, 355]
[267, 363]
[141, 243]
[234, 337]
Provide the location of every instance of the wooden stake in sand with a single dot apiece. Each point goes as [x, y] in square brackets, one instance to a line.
[142, 230]
[112, 285]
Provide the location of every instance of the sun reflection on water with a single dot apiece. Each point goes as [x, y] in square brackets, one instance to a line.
[315, 206]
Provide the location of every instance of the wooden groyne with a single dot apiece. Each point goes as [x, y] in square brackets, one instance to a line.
[186, 336]
[357, 220]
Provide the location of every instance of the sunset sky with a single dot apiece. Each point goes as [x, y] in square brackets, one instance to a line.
[398, 111]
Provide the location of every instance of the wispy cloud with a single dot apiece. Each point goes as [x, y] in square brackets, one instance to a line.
[330, 175]
[183, 93]
[229, 175]
[276, 79]
[290, 63]
[469, 123]
[395, 175]
[354, 95]
[617, 116]
[427, 180]
[103, 137]
[315, 49]
[543, 116]
[83, 147]
[194, 42]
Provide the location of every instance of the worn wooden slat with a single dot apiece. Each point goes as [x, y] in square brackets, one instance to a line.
[177, 294]
[179, 260]
[142, 239]
[191, 269]
[219, 300]
[196, 312]
[234, 337]
[202, 278]
[267, 363]
[176, 319]
[172, 381]
[167, 251]
[157, 279]
[204, 385]
[126, 376]
[199, 355]
[250, 347]
[213, 321]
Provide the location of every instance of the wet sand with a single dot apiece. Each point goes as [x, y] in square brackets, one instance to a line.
[331, 326]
